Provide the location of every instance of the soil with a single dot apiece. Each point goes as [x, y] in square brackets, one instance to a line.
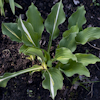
[26, 87]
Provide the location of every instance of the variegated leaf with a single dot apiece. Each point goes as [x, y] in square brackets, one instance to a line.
[11, 29]
[35, 51]
[29, 37]
[53, 81]
[55, 18]
[7, 76]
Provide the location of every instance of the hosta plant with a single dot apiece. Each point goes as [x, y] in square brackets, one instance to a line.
[29, 32]
[12, 6]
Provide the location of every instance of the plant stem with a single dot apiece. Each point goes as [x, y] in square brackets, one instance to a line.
[49, 44]
[44, 65]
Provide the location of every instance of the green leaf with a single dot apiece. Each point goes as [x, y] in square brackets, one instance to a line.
[29, 37]
[63, 55]
[46, 55]
[11, 29]
[34, 17]
[7, 1]
[53, 81]
[49, 63]
[73, 29]
[88, 34]
[12, 6]
[18, 6]
[54, 19]
[23, 48]
[2, 7]
[7, 76]
[77, 18]
[86, 59]
[31, 57]
[69, 41]
[35, 51]
[74, 67]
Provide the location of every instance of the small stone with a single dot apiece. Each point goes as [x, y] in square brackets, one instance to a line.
[44, 42]
[76, 85]
[94, 45]
[81, 77]
[76, 2]
[69, 6]
[55, 1]
[12, 64]
[30, 81]
[98, 18]
[91, 16]
[89, 25]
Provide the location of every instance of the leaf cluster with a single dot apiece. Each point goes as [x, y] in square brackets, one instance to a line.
[29, 32]
[12, 6]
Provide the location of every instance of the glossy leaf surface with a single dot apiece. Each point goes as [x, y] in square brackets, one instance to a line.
[34, 17]
[2, 7]
[46, 55]
[29, 37]
[68, 40]
[74, 67]
[88, 34]
[77, 18]
[18, 6]
[23, 48]
[7, 76]
[53, 81]
[34, 51]
[63, 55]
[11, 29]
[86, 59]
[12, 5]
[73, 29]
[55, 18]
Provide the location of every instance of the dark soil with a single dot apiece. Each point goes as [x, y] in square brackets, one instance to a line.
[26, 87]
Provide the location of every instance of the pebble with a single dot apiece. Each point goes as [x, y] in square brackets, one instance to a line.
[76, 2]
[98, 18]
[69, 7]
[94, 45]
[91, 16]
[55, 1]
[89, 25]
[30, 81]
